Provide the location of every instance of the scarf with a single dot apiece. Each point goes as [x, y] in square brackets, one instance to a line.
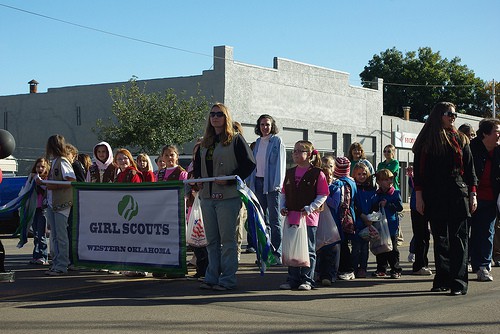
[457, 149]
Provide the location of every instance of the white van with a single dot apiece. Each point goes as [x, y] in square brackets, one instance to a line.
[9, 166]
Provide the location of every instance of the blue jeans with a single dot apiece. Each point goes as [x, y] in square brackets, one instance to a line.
[220, 218]
[359, 254]
[39, 239]
[59, 234]
[305, 275]
[270, 205]
[482, 230]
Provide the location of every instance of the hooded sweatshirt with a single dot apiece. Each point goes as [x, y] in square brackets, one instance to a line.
[102, 171]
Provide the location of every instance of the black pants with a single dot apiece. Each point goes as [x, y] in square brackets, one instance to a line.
[390, 258]
[201, 260]
[2, 258]
[421, 238]
[345, 263]
[450, 252]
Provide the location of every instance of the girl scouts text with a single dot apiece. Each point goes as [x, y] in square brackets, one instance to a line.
[129, 228]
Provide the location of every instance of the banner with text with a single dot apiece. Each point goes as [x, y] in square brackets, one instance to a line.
[130, 226]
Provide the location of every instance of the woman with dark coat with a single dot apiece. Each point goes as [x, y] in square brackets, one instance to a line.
[445, 189]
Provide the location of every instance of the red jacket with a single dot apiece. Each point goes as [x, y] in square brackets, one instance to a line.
[129, 175]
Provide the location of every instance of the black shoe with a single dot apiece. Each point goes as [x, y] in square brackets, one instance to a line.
[439, 289]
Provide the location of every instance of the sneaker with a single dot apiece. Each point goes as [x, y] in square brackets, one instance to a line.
[305, 287]
[395, 275]
[326, 282]
[496, 263]
[55, 273]
[411, 257]
[194, 277]
[483, 275]
[469, 268]
[424, 271]
[346, 276]
[39, 261]
[206, 286]
[250, 250]
[285, 286]
[379, 274]
[218, 287]
[360, 273]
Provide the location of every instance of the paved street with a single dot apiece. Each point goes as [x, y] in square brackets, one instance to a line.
[98, 302]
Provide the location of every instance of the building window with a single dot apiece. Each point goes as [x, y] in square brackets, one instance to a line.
[78, 116]
[325, 142]
[347, 141]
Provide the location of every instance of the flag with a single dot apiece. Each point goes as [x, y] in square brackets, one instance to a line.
[26, 203]
[256, 227]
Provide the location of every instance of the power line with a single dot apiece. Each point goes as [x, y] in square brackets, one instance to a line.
[207, 55]
[107, 32]
[418, 85]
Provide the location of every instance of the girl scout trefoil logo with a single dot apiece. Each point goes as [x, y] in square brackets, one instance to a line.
[128, 207]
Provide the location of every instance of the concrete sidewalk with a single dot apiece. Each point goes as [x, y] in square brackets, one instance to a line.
[97, 302]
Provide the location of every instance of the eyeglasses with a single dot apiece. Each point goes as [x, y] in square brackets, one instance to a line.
[450, 114]
[216, 114]
[299, 151]
[122, 159]
[387, 151]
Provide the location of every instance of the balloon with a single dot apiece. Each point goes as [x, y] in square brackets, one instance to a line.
[7, 144]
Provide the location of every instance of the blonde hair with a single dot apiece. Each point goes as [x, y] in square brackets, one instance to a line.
[362, 166]
[226, 137]
[313, 155]
[384, 174]
[328, 159]
[144, 156]
[328, 173]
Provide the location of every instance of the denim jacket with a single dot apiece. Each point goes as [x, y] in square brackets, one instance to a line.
[276, 165]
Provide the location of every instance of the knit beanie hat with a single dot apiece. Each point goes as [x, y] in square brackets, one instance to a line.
[342, 167]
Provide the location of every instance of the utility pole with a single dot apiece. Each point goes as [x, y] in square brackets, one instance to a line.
[493, 99]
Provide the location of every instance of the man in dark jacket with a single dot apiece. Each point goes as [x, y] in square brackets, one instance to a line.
[486, 153]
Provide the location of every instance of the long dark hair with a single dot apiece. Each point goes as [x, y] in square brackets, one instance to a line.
[56, 147]
[432, 137]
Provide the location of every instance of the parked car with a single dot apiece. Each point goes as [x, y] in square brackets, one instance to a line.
[9, 190]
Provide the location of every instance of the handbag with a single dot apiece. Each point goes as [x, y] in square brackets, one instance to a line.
[295, 252]
[327, 232]
[195, 235]
[384, 243]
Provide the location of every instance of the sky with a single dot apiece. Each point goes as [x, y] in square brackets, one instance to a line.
[68, 43]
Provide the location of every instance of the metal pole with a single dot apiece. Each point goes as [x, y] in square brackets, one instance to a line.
[493, 99]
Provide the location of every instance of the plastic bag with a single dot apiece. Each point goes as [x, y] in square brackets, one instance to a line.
[295, 251]
[327, 232]
[384, 243]
[195, 234]
[369, 233]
